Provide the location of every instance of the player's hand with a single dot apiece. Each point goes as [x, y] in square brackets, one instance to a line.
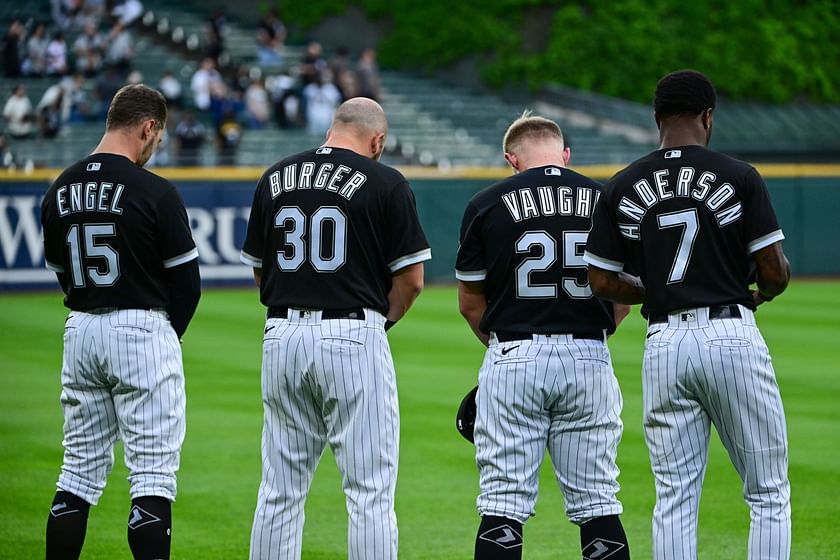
[758, 299]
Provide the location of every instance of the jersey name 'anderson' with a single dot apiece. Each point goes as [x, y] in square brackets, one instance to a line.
[686, 182]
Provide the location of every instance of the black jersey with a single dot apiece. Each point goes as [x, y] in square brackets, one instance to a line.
[687, 220]
[524, 238]
[328, 228]
[113, 228]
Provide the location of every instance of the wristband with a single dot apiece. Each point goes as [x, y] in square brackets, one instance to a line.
[389, 324]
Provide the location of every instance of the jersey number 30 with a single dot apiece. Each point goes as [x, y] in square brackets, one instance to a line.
[573, 243]
[327, 245]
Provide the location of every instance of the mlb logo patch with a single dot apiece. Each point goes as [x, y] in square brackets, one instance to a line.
[553, 171]
[322, 151]
[94, 166]
[688, 317]
[671, 154]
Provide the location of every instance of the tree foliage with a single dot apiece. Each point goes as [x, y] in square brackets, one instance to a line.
[776, 51]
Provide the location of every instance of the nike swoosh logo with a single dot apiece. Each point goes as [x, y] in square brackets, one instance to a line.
[650, 335]
[507, 538]
[506, 350]
[267, 329]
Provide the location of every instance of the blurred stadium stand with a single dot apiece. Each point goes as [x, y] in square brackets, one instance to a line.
[432, 124]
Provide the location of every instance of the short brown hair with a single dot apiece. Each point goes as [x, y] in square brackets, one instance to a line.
[134, 104]
[529, 127]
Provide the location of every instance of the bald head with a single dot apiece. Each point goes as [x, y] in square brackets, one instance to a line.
[359, 124]
[361, 113]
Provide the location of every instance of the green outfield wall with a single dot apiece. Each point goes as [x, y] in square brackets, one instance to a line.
[806, 198]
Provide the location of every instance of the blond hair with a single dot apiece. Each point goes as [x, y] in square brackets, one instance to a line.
[529, 127]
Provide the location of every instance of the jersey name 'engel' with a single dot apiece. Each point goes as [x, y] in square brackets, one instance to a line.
[550, 201]
[89, 197]
[342, 180]
[683, 185]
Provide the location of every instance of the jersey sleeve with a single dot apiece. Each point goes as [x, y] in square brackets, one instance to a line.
[254, 246]
[174, 237]
[406, 242]
[761, 227]
[53, 256]
[471, 262]
[604, 246]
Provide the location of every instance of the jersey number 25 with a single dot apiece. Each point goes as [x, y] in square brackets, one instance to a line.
[573, 244]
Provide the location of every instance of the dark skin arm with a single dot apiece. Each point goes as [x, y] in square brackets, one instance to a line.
[772, 273]
[473, 303]
[610, 286]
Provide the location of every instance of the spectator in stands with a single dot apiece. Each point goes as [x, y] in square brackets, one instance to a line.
[106, 87]
[286, 101]
[12, 44]
[271, 34]
[18, 113]
[257, 104]
[368, 83]
[77, 107]
[190, 136]
[120, 50]
[202, 83]
[229, 134]
[50, 111]
[313, 63]
[67, 13]
[7, 158]
[56, 55]
[89, 49]
[171, 89]
[35, 63]
[214, 39]
[127, 12]
[343, 77]
[321, 99]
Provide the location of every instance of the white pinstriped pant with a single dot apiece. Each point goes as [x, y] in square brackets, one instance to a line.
[699, 371]
[556, 392]
[328, 381]
[121, 376]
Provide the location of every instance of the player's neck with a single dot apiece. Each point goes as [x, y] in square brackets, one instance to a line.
[118, 144]
[549, 160]
[676, 137]
[346, 142]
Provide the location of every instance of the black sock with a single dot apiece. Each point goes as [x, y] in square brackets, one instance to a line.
[149, 528]
[66, 526]
[604, 537]
[498, 538]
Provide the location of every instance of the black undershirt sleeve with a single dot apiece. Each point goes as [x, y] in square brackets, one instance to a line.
[184, 287]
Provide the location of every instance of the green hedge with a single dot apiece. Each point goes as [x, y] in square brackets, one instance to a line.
[776, 51]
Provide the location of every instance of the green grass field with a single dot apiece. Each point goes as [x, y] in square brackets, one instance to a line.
[437, 361]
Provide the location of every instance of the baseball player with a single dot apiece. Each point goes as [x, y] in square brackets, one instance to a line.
[698, 226]
[118, 239]
[338, 253]
[547, 379]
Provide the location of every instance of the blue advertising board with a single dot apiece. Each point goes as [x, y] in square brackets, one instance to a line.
[218, 215]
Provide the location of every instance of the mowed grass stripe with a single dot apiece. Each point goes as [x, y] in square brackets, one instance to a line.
[437, 360]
